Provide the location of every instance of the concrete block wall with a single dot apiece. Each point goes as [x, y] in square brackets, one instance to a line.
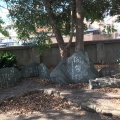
[99, 52]
[24, 54]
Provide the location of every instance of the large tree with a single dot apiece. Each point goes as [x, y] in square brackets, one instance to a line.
[62, 16]
[3, 31]
[115, 9]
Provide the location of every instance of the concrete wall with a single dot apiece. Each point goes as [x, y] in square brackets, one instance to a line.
[98, 51]
[24, 54]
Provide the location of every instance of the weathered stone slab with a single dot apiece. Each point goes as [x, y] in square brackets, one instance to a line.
[108, 71]
[75, 69]
[104, 82]
[43, 71]
[9, 76]
[30, 70]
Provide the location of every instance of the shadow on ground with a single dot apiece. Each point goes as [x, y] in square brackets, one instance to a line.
[90, 100]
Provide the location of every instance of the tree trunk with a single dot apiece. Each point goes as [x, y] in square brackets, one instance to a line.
[73, 11]
[63, 50]
[79, 45]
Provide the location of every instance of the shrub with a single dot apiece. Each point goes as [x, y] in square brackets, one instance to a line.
[7, 59]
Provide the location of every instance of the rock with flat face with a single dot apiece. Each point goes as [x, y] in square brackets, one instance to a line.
[75, 69]
[9, 76]
[43, 71]
[104, 82]
[30, 70]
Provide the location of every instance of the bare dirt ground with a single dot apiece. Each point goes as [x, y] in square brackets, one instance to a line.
[38, 99]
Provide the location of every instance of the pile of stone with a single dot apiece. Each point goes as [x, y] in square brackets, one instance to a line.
[104, 82]
[75, 69]
[10, 76]
[109, 77]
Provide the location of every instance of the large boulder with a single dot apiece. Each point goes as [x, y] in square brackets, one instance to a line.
[60, 75]
[75, 69]
[30, 70]
[43, 71]
[9, 76]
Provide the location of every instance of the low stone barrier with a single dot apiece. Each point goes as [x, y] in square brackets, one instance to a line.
[30, 70]
[104, 82]
[10, 76]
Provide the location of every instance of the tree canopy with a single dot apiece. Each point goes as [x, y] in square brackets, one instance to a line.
[3, 31]
[31, 14]
[61, 16]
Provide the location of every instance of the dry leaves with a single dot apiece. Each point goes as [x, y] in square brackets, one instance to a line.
[109, 118]
[40, 80]
[108, 90]
[84, 86]
[33, 101]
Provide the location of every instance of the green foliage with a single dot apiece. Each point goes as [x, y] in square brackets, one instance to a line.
[115, 7]
[7, 59]
[28, 15]
[3, 31]
[43, 42]
[108, 30]
[118, 19]
[96, 9]
[31, 14]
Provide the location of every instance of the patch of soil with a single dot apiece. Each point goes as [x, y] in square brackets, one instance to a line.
[33, 101]
[40, 80]
[108, 90]
[39, 101]
[109, 118]
[83, 86]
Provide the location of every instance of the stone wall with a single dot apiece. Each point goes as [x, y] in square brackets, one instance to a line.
[98, 51]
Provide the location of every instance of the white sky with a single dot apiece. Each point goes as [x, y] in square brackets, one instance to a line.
[3, 12]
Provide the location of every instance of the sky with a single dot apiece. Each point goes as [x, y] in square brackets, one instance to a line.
[3, 11]
[3, 14]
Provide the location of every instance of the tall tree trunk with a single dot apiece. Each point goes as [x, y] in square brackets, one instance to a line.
[79, 45]
[73, 11]
[63, 50]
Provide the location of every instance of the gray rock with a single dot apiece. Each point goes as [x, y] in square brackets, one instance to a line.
[9, 76]
[108, 71]
[60, 75]
[30, 70]
[43, 71]
[75, 69]
[104, 82]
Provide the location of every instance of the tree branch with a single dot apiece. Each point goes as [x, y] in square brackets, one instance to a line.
[3, 7]
[71, 27]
